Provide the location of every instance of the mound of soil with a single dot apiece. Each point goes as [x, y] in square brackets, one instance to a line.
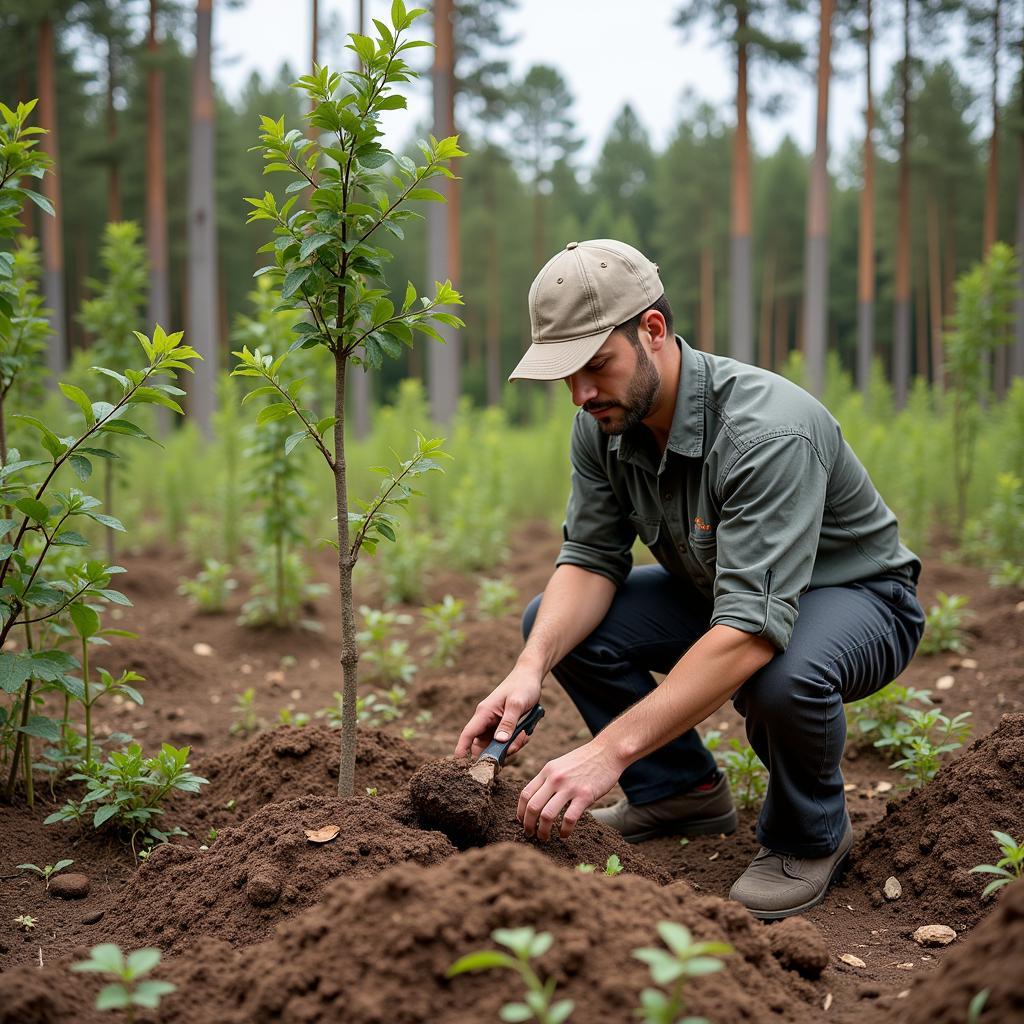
[932, 838]
[377, 950]
[442, 795]
[990, 958]
[258, 873]
[285, 763]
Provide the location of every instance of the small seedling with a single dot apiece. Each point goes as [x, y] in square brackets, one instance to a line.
[231, 804]
[245, 721]
[371, 790]
[684, 841]
[613, 866]
[25, 922]
[944, 622]
[747, 777]
[976, 1006]
[49, 871]
[495, 598]
[712, 740]
[922, 738]
[127, 991]
[386, 658]
[586, 869]
[211, 588]
[685, 959]
[525, 944]
[211, 835]
[294, 718]
[878, 715]
[441, 621]
[1010, 867]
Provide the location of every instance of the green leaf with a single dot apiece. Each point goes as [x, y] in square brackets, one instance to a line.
[314, 242]
[482, 961]
[14, 670]
[81, 465]
[142, 961]
[120, 426]
[515, 1013]
[426, 194]
[105, 813]
[149, 993]
[112, 997]
[294, 439]
[42, 728]
[71, 538]
[270, 413]
[34, 509]
[109, 521]
[85, 619]
[6, 525]
[293, 281]
[81, 399]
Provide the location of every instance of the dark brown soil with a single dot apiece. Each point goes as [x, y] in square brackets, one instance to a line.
[931, 839]
[447, 798]
[989, 958]
[377, 950]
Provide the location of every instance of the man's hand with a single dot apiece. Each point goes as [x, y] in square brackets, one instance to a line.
[573, 781]
[496, 715]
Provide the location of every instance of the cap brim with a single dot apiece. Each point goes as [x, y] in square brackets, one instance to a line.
[557, 359]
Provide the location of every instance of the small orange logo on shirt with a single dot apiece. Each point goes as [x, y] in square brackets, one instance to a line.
[703, 527]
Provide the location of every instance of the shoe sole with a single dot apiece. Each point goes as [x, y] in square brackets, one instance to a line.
[723, 824]
[778, 915]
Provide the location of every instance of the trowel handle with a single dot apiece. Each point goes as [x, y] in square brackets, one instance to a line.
[496, 751]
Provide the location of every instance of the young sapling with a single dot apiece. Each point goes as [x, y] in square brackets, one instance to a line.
[26, 922]
[441, 621]
[613, 866]
[47, 872]
[1010, 867]
[672, 969]
[526, 944]
[747, 777]
[944, 624]
[495, 598]
[130, 987]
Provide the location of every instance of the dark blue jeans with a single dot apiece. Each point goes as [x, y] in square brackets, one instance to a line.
[847, 643]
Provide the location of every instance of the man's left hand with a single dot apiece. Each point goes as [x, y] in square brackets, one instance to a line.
[571, 782]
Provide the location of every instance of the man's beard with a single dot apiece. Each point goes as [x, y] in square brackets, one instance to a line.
[641, 393]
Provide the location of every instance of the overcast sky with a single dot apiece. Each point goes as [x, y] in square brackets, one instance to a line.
[610, 52]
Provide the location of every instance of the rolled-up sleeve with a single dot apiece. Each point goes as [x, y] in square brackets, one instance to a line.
[773, 500]
[597, 534]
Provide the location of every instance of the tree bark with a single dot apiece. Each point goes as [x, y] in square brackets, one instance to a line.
[443, 361]
[114, 167]
[741, 340]
[492, 330]
[866, 239]
[707, 298]
[1017, 357]
[992, 178]
[202, 229]
[935, 291]
[156, 183]
[360, 382]
[52, 228]
[921, 327]
[901, 306]
[816, 252]
[767, 299]
[781, 333]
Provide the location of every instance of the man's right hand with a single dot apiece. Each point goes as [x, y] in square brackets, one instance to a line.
[497, 714]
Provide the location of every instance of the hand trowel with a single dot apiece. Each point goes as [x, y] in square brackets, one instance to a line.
[492, 760]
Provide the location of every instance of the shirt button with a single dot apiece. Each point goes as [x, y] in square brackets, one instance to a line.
[666, 495]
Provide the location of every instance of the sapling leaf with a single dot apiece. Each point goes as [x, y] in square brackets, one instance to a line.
[148, 993]
[142, 961]
[482, 961]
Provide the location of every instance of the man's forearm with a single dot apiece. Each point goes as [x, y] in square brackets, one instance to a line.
[574, 603]
[699, 684]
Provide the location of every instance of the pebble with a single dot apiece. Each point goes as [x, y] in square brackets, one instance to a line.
[69, 887]
[904, 967]
[968, 663]
[295, 694]
[944, 683]
[883, 787]
[203, 650]
[94, 918]
[245, 669]
[828, 1001]
[893, 890]
[934, 935]
[853, 961]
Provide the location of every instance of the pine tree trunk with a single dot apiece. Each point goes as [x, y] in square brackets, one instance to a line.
[741, 340]
[767, 299]
[935, 291]
[816, 251]
[992, 178]
[781, 333]
[901, 305]
[866, 240]
[1017, 359]
[156, 183]
[202, 229]
[492, 330]
[52, 228]
[114, 168]
[443, 361]
[921, 327]
[707, 297]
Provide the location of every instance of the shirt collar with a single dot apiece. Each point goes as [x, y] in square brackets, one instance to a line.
[686, 436]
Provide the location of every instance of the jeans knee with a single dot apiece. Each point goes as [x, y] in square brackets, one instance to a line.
[530, 616]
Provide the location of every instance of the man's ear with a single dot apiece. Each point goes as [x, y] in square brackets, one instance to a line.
[654, 323]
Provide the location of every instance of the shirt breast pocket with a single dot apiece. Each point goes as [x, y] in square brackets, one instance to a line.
[705, 551]
[647, 528]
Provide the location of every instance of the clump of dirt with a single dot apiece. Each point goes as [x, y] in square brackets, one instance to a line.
[932, 838]
[284, 763]
[985, 960]
[434, 797]
[448, 798]
[260, 872]
[378, 949]
[799, 946]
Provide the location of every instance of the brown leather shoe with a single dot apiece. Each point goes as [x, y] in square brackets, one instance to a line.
[777, 885]
[697, 813]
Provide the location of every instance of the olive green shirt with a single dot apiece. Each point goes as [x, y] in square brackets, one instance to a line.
[756, 499]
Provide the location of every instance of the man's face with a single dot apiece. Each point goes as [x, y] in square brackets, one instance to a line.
[618, 387]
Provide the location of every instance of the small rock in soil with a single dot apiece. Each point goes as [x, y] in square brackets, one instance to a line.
[799, 946]
[262, 890]
[945, 683]
[94, 918]
[893, 890]
[853, 961]
[69, 887]
[203, 650]
[934, 935]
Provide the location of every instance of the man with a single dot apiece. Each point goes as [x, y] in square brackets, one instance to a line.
[781, 583]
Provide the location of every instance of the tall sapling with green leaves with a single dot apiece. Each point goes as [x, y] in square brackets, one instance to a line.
[345, 191]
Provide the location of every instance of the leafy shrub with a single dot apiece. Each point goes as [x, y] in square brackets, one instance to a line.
[211, 587]
[281, 592]
[922, 738]
[387, 658]
[748, 778]
[944, 624]
[404, 567]
[244, 720]
[496, 598]
[879, 714]
[440, 620]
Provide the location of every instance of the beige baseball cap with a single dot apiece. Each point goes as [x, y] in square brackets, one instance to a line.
[580, 296]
